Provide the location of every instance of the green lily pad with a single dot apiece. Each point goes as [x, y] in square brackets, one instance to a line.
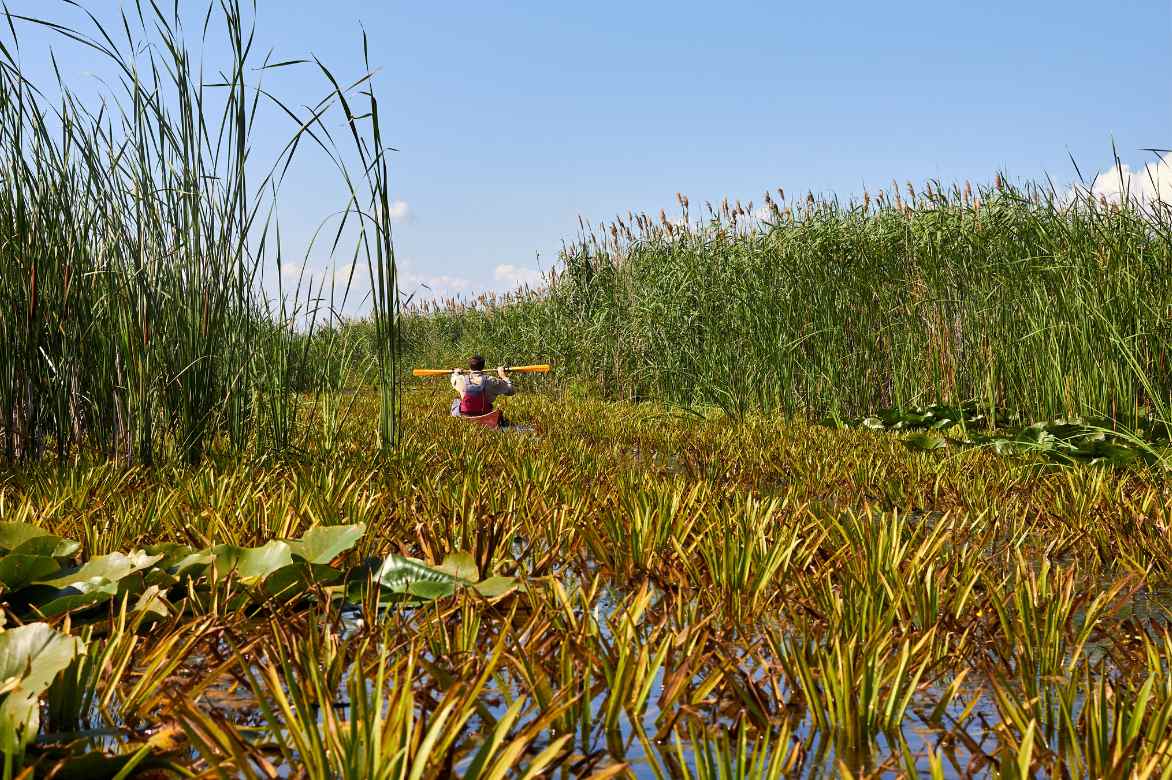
[13, 535]
[398, 572]
[461, 565]
[18, 570]
[53, 546]
[52, 602]
[322, 544]
[924, 442]
[289, 582]
[96, 572]
[430, 591]
[31, 656]
[249, 564]
[494, 587]
[153, 603]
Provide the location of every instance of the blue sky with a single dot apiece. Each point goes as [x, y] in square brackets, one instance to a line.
[514, 118]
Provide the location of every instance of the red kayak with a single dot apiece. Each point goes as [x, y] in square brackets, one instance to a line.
[490, 420]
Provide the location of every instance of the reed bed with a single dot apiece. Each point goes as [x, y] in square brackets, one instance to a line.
[645, 594]
[1022, 297]
[137, 231]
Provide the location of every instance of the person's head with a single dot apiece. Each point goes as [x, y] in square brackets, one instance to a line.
[476, 363]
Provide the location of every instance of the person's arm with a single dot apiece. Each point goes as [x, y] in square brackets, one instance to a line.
[457, 381]
[504, 384]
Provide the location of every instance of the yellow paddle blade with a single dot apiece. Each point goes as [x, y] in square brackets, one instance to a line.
[540, 368]
[430, 371]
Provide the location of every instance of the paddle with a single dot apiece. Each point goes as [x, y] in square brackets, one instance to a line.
[541, 368]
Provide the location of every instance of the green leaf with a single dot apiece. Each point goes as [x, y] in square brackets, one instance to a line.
[494, 587]
[323, 544]
[461, 565]
[172, 553]
[249, 564]
[35, 653]
[924, 442]
[17, 570]
[430, 591]
[51, 602]
[397, 572]
[53, 546]
[32, 656]
[291, 581]
[97, 572]
[13, 535]
[152, 602]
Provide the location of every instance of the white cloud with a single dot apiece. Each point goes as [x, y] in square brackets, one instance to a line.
[1150, 183]
[514, 276]
[398, 211]
[419, 286]
[440, 286]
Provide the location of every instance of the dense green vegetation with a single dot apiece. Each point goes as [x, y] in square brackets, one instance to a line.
[135, 234]
[1017, 298]
[626, 591]
[233, 543]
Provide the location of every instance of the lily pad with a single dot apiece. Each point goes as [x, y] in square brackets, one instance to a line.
[461, 565]
[249, 564]
[13, 535]
[322, 544]
[924, 442]
[494, 587]
[18, 570]
[96, 572]
[53, 546]
[31, 656]
[289, 582]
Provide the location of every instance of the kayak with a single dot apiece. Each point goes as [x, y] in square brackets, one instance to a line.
[490, 420]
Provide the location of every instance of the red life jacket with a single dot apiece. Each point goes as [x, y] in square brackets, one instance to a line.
[474, 399]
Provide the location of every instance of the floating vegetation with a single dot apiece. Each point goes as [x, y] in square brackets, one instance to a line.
[632, 593]
[1064, 440]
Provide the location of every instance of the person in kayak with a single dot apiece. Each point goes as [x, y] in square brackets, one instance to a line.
[478, 390]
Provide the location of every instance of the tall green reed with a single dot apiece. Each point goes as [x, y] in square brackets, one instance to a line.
[134, 234]
[1028, 297]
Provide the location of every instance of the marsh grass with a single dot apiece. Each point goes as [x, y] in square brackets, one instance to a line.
[1026, 298]
[780, 613]
[138, 228]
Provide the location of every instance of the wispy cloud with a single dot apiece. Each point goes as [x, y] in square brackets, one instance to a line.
[419, 285]
[514, 276]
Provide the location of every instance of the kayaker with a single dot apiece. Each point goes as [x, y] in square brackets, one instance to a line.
[478, 390]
